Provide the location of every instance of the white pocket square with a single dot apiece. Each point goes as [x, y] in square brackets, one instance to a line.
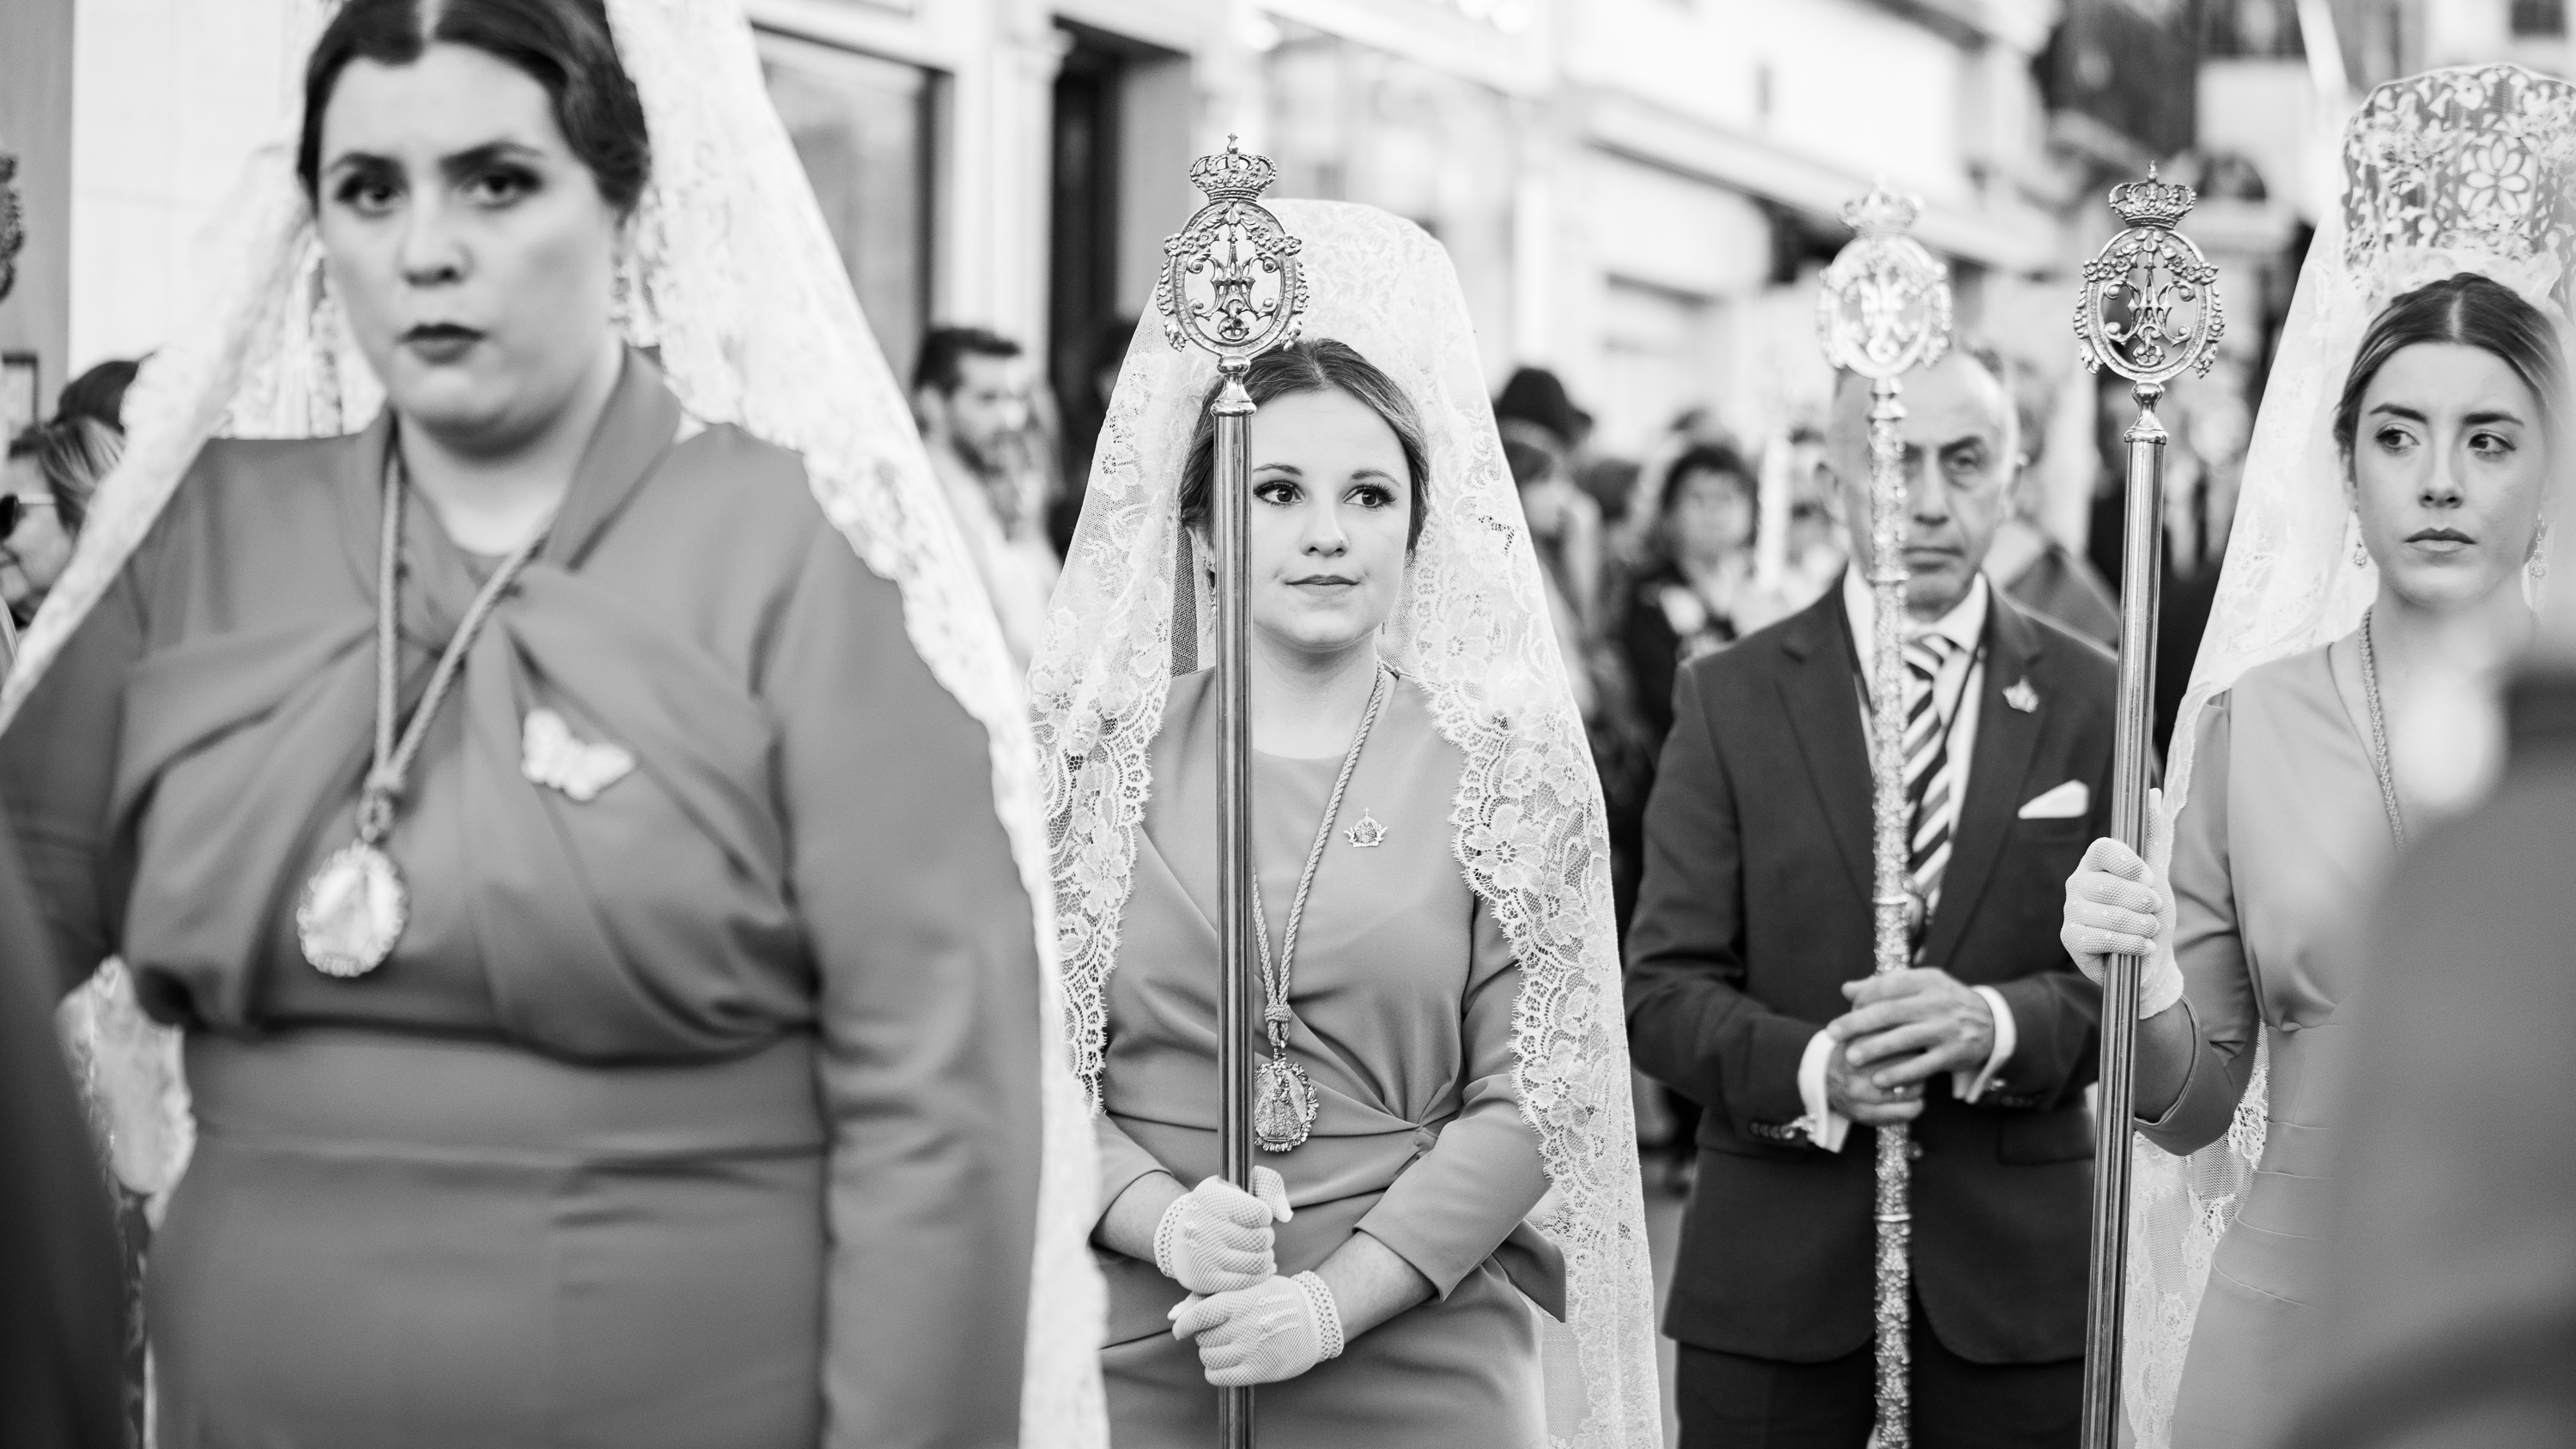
[2067, 802]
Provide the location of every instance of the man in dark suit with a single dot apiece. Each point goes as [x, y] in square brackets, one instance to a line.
[1750, 987]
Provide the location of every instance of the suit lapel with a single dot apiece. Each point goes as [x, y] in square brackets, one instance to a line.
[2007, 740]
[1824, 714]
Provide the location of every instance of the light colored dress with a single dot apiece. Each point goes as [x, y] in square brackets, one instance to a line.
[1404, 992]
[2275, 851]
[703, 1111]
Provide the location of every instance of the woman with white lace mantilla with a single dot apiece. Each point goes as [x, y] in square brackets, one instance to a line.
[1439, 1047]
[2390, 537]
[572, 800]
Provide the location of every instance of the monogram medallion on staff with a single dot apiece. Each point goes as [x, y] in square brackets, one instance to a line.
[1231, 282]
[2149, 310]
[1885, 305]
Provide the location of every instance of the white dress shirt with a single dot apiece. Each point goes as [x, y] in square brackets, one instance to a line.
[1956, 693]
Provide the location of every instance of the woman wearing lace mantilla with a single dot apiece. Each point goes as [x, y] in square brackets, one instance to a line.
[2391, 523]
[1450, 1177]
[580, 816]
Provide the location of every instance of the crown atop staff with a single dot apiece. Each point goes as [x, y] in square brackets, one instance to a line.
[1230, 175]
[1882, 212]
[2159, 204]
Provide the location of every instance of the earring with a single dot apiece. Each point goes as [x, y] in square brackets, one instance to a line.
[2538, 564]
[2360, 554]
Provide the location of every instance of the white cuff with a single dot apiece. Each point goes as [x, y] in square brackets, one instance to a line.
[1969, 1086]
[2160, 985]
[1824, 1126]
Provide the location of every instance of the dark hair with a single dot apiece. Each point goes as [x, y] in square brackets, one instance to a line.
[942, 363]
[563, 45]
[2467, 309]
[1716, 458]
[1535, 395]
[98, 393]
[1530, 451]
[1317, 365]
[72, 453]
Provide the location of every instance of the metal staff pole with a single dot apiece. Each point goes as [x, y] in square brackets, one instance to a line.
[2148, 311]
[1231, 284]
[1885, 310]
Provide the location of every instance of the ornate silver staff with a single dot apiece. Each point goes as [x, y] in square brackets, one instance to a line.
[1885, 310]
[2148, 311]
[1231, 284]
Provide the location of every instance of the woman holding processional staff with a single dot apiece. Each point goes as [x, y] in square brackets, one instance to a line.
[2391, 526]
[562, 789]
[1463, 1178]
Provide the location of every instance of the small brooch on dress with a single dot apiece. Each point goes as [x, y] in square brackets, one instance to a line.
[1368, 834]
[549, 755]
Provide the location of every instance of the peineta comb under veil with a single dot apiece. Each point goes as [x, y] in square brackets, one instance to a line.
[2450, 171]
[736, 285]
[1472, 630]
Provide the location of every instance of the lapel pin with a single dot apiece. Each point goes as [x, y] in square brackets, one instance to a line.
[2022, 697]
[1368, 834]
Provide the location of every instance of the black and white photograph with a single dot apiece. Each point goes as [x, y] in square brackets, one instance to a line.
[1285, 724]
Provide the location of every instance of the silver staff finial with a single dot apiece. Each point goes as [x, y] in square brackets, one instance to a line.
[2149, 308]
[1231, 280]
[1885, 307]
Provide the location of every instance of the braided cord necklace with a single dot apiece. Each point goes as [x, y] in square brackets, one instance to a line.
[1283, 1096]
[2379, 757]
[355, 906]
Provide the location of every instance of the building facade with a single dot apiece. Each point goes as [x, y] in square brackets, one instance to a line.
[1637, 193]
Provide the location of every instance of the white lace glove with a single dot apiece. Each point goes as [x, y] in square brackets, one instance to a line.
[2119, 905]
[1216, 1237]
[1274, 1330]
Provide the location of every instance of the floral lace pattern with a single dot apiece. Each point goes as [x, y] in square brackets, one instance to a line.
[735, 280]
[1472, 630]
[2451, 171]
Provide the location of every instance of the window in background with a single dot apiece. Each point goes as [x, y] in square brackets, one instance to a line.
[863, 128]
[1352, 123]
[2533, 18]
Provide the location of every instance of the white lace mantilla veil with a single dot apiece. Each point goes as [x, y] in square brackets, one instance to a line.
[1472, 631]
[736, 282]
[2450, 171]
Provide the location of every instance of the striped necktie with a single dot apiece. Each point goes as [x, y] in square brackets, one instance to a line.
[1930, 783]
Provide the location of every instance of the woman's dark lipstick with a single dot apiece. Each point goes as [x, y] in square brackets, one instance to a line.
[2438, 535]
[439, 342]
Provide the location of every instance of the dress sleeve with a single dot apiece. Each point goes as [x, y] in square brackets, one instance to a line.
[2218, 989]
[1122, 1162]
[57, 768]
[1453, 1206]
[927, 982]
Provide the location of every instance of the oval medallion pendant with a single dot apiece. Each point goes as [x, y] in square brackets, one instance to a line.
[352, 911]
[1283, 1104]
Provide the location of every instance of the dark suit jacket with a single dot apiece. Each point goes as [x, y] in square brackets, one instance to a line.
[1755, 910]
